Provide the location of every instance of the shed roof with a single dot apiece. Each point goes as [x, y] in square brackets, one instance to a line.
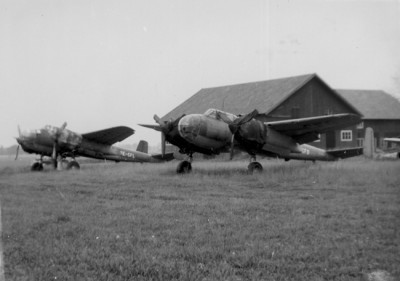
[242, 98]
[265, 96]
[373, 104]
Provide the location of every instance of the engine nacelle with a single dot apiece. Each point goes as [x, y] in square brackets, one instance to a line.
[204, 131]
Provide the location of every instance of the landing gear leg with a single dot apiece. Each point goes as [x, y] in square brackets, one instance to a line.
[73, 165]
[38, 165]
[254, 166]
[185, 167]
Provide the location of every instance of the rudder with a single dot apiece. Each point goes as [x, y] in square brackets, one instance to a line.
[143, 146]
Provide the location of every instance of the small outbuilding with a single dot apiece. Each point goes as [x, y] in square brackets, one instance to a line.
[380, 111]
[278, 99]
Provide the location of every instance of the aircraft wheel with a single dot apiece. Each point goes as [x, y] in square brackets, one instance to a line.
[255, 167]
[37, 167]
[73, 165]
[184, 167]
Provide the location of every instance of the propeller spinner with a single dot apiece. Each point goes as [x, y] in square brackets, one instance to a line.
[235, 126]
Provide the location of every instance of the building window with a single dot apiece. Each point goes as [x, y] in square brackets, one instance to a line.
[360, 142]
[360, 125]
[346, 135]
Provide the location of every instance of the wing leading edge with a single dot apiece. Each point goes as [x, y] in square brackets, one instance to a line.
[109, 136]
[305, 130]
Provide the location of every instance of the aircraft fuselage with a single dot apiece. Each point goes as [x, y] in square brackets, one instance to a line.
[214, 135]
[73, 144]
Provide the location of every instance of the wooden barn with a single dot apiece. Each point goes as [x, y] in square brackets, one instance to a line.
[278, 99]
[380, 111]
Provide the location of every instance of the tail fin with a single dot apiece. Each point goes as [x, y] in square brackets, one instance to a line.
[369, 143]
[143, 146]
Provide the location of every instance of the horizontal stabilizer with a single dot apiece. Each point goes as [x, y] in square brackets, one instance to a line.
[346, 153]
[166, 157]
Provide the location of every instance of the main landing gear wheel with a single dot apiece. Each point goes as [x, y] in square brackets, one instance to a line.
[184, 167]
[255, 167]
[37, 167]
[73, 165]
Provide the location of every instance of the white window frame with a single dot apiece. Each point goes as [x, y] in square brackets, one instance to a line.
[360, 125]
[346, 135]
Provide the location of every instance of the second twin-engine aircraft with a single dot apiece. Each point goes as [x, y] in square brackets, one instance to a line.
[217, 131]
[60, 143]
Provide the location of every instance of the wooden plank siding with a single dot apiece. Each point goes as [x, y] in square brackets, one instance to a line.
[315, 98]
[382, 129]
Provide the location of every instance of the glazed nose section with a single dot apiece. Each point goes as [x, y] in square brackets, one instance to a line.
[189, 127]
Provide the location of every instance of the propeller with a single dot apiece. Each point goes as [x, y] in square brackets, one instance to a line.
[16, 154]
[235, 126]
[18, 139]
[56, 137]
[164, 127]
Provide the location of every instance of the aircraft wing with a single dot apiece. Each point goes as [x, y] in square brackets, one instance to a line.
[305, 130]
[109, 136]
[345, 152]
[166, 157]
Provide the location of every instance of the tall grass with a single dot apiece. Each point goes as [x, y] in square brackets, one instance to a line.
[294, 221]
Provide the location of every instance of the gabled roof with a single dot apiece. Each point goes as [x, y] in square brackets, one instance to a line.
[242, 98]
[373, 104]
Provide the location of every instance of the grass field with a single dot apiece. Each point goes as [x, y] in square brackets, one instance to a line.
[295, 221]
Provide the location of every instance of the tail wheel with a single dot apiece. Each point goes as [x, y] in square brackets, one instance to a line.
[37, 167]
[184, 167]
[73, 165]
[255, 167]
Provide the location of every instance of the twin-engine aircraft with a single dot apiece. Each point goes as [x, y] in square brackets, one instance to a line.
[60, 143]
[217, 131]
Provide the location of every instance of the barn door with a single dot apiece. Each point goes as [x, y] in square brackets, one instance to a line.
[330, 140]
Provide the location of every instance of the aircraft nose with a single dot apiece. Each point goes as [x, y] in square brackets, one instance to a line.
[189, 127]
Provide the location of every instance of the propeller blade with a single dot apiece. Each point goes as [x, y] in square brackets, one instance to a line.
[54, 153]
[154, 127]
[157, 119]
[19, 131]
[246, 118]
[232, 147]
[234, 127]
[163, 145]
[63, 126]
[16, 155]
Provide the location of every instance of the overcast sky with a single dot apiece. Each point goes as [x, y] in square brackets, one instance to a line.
[99, 63]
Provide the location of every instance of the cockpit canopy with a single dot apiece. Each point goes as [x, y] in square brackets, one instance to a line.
[220, 115]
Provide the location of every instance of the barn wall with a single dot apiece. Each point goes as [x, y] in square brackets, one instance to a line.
[316, 99]
[313, 99]
[382, 129]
